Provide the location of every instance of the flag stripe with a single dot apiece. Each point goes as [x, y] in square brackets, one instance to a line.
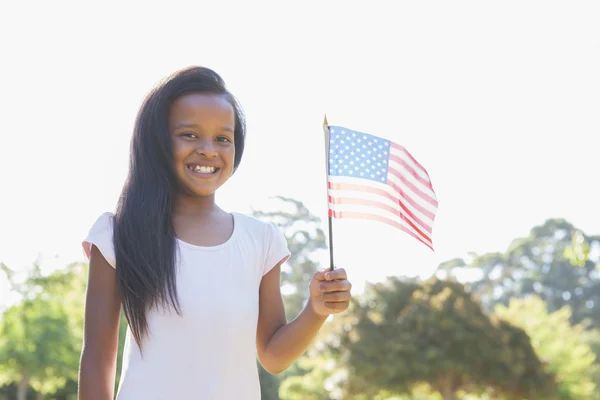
[410, 177]
[403, 155]
[381, 196]
[424, 181]
[414, 202]
[396, 146]
[376, 204]
[357, 215]
[391, 178]
[415, 189]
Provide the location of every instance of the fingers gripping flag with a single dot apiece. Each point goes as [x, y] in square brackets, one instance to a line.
[372, 178]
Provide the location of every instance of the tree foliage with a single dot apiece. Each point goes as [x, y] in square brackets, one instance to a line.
[406, 333]
[592, 338]
[564, 347]
[311, 385]
[40, 338]
[557, 262]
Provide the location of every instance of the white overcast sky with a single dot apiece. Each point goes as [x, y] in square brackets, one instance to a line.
[499, 101]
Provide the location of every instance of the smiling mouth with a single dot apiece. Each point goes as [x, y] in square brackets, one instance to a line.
[202, 169]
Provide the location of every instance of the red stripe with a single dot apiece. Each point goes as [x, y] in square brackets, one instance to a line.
[395, 199]
[411, 171]
[415, 189]
[401, 148]
[381, 206]
[356, 215]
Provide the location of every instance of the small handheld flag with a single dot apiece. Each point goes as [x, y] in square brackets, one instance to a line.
[369, 177]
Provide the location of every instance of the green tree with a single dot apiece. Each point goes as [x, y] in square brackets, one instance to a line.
[406, 333]
[122, 334]
[564, 347]
[557, 262]
[269, 384]
[592, 338]
[40, 338]
[311, 384]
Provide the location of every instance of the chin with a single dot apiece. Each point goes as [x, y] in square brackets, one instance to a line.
[201, 190]
[204, 193]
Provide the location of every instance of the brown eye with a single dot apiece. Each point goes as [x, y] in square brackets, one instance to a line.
[224, 139]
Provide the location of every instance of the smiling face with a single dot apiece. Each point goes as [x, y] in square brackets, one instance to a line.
[202, 132]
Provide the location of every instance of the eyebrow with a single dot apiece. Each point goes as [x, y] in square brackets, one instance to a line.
[192, 125]
[185, 125]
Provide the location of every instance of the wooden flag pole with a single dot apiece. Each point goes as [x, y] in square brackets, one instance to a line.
[329, 217]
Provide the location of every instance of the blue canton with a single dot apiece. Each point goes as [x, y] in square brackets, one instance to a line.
[358, 155]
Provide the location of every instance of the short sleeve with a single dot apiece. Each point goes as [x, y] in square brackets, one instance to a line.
[101, 236]
[277, 249]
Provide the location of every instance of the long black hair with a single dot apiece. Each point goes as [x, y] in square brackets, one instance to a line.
[144, 237]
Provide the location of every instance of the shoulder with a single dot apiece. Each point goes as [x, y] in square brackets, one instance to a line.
[104, 222]
[258, 228]
[101, 236]
[253, 223]
[273, 242]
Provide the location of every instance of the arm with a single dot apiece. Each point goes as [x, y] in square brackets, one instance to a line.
[101, 331]
[279, 343]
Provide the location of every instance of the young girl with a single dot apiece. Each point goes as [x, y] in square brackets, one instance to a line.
[199, 286]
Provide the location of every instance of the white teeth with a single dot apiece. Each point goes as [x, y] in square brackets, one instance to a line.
[203, 169]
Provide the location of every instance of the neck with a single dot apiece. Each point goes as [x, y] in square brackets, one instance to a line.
[195, 205]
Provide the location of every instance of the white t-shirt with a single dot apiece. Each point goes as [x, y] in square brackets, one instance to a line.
[209, 352]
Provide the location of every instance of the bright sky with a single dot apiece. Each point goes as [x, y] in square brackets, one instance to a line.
[498, 100]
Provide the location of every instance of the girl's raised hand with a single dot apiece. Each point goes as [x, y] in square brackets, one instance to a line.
[330, 292]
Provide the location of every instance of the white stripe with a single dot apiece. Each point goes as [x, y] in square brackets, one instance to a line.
[402, 154]
[409, 177]
[388, 202]
[375, 211]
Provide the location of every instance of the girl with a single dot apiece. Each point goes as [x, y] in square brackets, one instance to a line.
[199, 286]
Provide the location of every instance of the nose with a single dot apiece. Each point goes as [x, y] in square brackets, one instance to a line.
[207, 149]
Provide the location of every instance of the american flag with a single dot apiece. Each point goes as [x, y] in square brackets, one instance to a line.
[373, 178]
